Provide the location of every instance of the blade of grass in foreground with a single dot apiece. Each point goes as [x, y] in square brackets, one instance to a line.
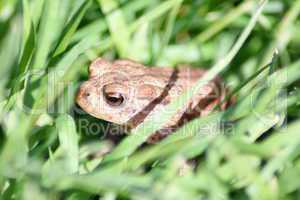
[216, 27]
[9, 55]
[117, 25]
[98, 26]
[28, 47]
[101, 181]
[281, 40]
[46, 37]
[67, 154]
[171, 23]
[153, 14]
[71, 28]
[68, 141]
[284, 157]
[155, 122]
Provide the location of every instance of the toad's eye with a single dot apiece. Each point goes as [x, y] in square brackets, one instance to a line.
[114, 95]
[114, 99]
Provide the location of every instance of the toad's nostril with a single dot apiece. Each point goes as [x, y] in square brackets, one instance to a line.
[87, 94]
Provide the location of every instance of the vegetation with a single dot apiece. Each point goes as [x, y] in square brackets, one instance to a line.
[50, 149]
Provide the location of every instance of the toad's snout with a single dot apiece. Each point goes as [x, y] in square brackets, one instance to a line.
[83, 95]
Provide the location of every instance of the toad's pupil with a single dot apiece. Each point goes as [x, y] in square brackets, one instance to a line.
[114, 99]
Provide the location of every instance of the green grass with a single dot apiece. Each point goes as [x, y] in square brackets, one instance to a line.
[48, 149]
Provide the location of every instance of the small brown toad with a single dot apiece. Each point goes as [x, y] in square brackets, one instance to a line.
[126, 93]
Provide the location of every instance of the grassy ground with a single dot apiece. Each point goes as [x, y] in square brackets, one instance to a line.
[52, 150]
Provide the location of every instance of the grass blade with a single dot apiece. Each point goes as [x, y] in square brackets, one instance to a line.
[117, 25]
[46, 37]
[246, 6]
[71, 27]
[27, 52]
[68, 142]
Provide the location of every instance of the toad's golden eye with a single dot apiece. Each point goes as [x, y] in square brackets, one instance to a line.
[113, 95]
